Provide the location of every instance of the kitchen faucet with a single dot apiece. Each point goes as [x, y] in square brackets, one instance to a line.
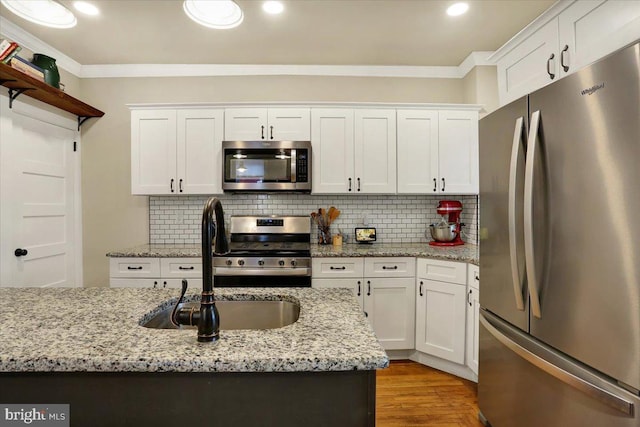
[214, 242]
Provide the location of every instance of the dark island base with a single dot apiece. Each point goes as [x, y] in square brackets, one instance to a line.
[263, 399]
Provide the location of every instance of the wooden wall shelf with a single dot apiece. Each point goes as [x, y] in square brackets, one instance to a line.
[18, 82]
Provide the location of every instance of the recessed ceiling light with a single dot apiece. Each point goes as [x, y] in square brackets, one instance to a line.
[273, 7]
[86, 8]
[457, 9]
[218, 14]
[44, 12]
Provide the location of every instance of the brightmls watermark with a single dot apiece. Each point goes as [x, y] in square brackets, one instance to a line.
[40, 415]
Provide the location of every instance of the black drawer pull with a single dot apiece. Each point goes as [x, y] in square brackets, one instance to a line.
[338, 268]
[186, 268]
[384, 267]
[134, 268]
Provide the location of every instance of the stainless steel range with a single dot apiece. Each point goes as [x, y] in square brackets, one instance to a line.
[272, 251]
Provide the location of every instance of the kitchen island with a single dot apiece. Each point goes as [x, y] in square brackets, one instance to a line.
[86, 347]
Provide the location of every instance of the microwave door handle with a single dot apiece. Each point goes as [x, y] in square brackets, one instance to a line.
[513, 188]
[532, 278]
[294, 161]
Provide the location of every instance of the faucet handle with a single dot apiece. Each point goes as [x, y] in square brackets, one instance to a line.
[185, 284]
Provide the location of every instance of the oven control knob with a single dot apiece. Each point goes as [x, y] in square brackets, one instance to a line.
[260, 262]
[240, 262]
[228, 262]
[294, 263]
[281, 263]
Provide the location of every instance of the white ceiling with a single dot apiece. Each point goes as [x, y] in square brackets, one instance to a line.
[309, 32]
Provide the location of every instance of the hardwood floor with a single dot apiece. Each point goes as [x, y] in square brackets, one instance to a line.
[411, 394]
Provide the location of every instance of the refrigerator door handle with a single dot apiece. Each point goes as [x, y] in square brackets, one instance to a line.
[565, 376]
[532, 279]
[513, 249]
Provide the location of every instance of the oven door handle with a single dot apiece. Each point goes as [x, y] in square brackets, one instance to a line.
[226, 271]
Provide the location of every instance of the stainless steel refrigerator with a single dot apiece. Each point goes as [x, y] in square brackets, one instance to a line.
[560, 252]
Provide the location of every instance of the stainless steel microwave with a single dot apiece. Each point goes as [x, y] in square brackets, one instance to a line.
[266, 166]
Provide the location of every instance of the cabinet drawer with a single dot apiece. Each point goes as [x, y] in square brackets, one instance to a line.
[337, 267]
[136, 267]
[443, 271]
[180, 268]
[473, 276]
[135, 283]
[390, 267]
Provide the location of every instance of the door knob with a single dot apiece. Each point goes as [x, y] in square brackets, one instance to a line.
[20, 252]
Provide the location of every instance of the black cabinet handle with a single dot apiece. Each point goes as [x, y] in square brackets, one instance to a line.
[172, 184]
[469, 297]
[155, 284]
[384, 267]
[435, 185]
[186, 268]
[368, 287]
[477, 278]
[134, 268]
[20, 252]
[358, 183]
[180, 185]
[420, 290]
[551, 75]
[358, 287]
[261, 132]
[349, 184]
[338, 268]
[271, 129]
[565, 50]
[164, 284]
[443, 183]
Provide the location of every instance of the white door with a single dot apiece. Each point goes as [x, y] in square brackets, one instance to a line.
[245, 124]
[38, 188]
[375, 151]
[389, 305]
[458, 152]
[417, 151]
[289, 124]
[153, 152]
[332, 145]
[440, 319]
[473, 328]
[199, 151]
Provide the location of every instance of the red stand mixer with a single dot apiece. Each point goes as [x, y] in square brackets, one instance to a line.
[447, 232]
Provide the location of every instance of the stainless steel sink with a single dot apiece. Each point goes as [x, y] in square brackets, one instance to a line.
[238, 315]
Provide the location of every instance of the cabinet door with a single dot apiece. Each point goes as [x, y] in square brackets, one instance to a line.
[180, 268]
[529, 65]
[589, 30]
[356, 285]
[289, 124]
[440, 319]
[389, 305]
[375, 151]
[153, 152]
[134, 267]
[473, 318]
[199, 151]
[333, 151]
[245, 124]
[458, 152]
[337, 268]
[417, 151]
[390, 267]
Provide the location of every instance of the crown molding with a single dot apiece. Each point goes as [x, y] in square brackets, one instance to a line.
[27, 40]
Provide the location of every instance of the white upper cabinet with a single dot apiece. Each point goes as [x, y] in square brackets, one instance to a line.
[333, 151]
[375, 151]
[267, 124]
[354, 151]
[176, 151]
[458, 152]
[563, 40]
[417, 151]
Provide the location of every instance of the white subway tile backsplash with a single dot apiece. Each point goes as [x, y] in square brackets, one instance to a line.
[399, 219]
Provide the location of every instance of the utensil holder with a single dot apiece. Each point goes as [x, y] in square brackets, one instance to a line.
[324, 235]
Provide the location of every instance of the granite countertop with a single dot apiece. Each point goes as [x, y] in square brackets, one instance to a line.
[99, 330]
[464, 253]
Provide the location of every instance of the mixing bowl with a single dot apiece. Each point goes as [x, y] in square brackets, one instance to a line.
[443, 233]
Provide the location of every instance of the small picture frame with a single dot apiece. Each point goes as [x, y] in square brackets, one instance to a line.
[365, 235]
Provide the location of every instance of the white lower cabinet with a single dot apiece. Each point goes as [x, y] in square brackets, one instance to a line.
[386, 297]
[143, 272]
[473, 317]
[440, 310]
